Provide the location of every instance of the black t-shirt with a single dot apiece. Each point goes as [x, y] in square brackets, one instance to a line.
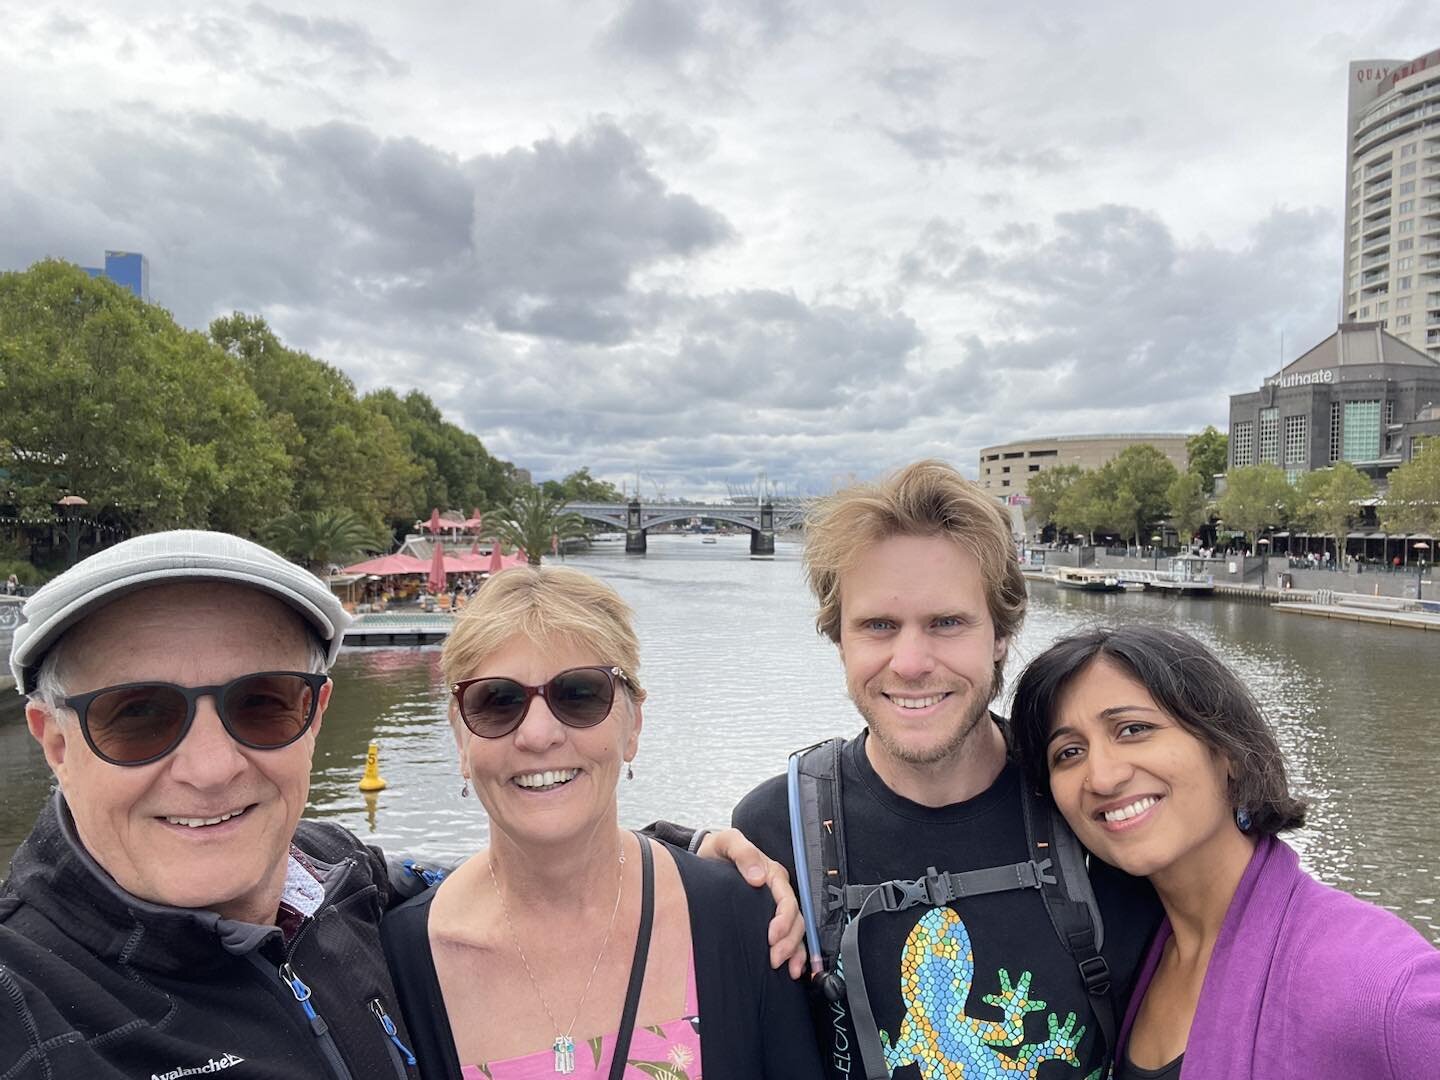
[1013, 1003]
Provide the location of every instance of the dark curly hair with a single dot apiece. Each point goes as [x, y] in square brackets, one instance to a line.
[1186, 680]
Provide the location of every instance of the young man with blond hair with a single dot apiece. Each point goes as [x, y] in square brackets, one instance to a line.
[961, 970]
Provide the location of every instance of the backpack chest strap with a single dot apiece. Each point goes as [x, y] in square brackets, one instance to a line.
[936, 889]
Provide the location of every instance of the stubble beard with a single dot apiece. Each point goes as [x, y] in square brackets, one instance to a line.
[948, 749]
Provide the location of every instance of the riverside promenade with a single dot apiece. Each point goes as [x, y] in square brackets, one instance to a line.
[9, 620]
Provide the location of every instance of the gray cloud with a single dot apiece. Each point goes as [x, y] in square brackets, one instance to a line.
[335, 41]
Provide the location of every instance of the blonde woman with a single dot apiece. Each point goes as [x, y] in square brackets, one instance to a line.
[570, 935]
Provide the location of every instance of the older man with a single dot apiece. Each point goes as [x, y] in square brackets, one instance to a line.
[171, 915]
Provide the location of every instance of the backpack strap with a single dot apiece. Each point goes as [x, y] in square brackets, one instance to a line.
[1070, 903]
[817, 842]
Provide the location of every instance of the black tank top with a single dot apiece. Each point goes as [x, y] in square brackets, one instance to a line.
[1128, 1070]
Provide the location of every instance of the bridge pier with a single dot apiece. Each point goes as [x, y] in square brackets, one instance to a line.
[634, 529]
[762, 540]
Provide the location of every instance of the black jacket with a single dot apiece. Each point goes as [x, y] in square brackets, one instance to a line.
[97, 984]
[754, 1022]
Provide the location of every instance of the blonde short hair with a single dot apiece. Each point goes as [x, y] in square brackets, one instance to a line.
[544, 604]
[926, 498]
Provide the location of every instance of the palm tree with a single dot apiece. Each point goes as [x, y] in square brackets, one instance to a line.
[532, 520]
[318, 538]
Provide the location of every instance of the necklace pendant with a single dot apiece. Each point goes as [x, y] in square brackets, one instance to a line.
[564, 1055]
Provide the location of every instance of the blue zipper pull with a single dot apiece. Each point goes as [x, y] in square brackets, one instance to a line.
[389, 1026]
[299, 989]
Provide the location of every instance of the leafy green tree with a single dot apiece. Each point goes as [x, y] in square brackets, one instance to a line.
[1413, 502]
[345, 454]
[580, 486]
[456, 471]
[1207, 455]
[1083, 507]
[530, 519]
[318, 538]
[1188, 501]
[1134, 490]
[1256, 497]
[1327, 500]
[1046, 488]
[104, 396]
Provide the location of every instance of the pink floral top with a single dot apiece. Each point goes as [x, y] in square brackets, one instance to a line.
[668, 1051]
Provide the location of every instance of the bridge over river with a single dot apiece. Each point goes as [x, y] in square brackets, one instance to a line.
[636, 518]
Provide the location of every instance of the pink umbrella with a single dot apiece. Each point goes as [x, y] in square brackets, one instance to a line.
[497, 558]
[436, 580]
[554, 543]
[434, 524]
[389, 566]
[474, 522]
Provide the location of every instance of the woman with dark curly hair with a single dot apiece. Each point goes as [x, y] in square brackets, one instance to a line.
[1163, 765]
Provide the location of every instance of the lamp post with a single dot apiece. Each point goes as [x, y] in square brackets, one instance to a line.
[1264, 543]
[1155, 551]
[1420, 547]
[70, 509]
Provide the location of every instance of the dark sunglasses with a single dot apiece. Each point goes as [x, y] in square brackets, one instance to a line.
[579, 697]
[137, 723]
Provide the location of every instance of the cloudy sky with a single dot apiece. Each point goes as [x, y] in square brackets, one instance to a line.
[698, 240]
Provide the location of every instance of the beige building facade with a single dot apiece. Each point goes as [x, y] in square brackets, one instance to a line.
[1392, 199]
[1005, 471]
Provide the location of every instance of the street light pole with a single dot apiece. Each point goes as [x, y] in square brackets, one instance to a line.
[1264, 543]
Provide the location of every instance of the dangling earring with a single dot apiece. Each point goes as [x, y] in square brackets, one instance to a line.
[629, 772]
[465, 788]
[1242, 819]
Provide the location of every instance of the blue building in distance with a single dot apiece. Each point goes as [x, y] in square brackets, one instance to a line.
[128, 269]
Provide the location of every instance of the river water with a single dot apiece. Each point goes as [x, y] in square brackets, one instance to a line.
[738, 677]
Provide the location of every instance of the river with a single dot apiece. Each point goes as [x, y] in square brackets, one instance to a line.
[738, 677]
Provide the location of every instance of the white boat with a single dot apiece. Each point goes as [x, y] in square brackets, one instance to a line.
[1069, 577]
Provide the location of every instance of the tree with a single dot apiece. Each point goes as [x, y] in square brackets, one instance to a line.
[1187, 499]
[1046, 489]
[319, 538]
[531, 519]
[344, 453]
[1256, 496]
[1206, 455]
[1135, 487]
[456, 470]
[580, 486]
[1328, 500]
[1413, 502]
[104, 396]
[1082, 507]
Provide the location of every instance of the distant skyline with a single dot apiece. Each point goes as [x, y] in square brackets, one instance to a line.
[701, 239]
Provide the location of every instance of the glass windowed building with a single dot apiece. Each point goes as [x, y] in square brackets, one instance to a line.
[1392, 199]
[1361, 395]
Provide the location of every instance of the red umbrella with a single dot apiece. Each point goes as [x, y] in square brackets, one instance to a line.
[389, 566]
[474, 522]
[434, 524]
[497, 558]
[436, 580]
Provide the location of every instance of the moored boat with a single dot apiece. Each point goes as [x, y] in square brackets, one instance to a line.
[1069, 577]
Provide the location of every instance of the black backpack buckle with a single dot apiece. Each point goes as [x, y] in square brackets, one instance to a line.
[1096, 973]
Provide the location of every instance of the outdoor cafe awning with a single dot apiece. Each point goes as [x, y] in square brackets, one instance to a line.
[389, 566]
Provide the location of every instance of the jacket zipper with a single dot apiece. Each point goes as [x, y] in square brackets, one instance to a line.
[396, 1047]
[318, 1027]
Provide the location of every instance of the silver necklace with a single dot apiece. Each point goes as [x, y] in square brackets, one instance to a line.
[564, 1045]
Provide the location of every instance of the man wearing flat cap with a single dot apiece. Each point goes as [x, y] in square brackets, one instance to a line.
[170, 915]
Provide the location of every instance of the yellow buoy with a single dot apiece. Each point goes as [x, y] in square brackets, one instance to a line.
[371, 780]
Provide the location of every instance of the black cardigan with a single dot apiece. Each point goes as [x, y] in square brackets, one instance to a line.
[754, 1022]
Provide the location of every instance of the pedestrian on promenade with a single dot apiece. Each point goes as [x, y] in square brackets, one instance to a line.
[12, 585]
[921, 822]
[543, 666]
[1161, 761]
[170, 914]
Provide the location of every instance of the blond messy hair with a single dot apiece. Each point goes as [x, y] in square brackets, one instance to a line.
[544, 605]
[926, 498]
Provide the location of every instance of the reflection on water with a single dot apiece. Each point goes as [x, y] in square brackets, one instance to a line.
[738, 678]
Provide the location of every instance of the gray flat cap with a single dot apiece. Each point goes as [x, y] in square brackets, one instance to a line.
[162, 559]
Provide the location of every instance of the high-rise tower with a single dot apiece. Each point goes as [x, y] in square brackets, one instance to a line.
[1392, 199]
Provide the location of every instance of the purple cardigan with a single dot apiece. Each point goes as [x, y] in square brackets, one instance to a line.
[1308, 983]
